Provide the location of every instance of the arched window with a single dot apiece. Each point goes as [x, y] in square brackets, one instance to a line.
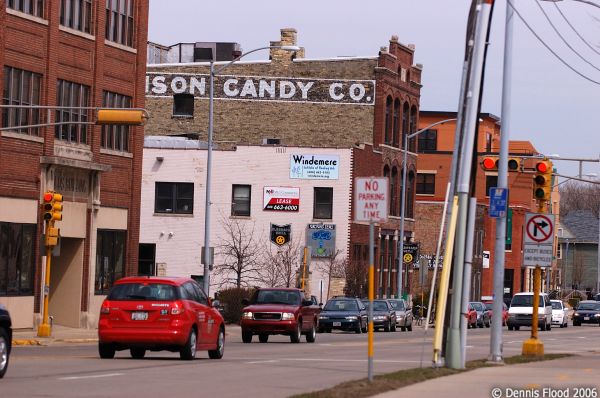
[400, 194]
[396, 133]
[412, 145]
[410, 195]
[394, 192]
[405, 115]
[388, 121]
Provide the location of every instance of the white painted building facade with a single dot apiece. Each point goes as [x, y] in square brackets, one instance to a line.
[292, 174]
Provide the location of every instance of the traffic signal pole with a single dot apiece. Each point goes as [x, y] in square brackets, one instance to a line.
[44, 329]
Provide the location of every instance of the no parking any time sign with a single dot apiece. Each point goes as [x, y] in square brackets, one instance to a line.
[371, 199]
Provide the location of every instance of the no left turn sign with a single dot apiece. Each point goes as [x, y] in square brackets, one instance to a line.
[539, 228]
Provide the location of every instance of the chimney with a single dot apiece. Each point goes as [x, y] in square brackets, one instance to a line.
[288, 38]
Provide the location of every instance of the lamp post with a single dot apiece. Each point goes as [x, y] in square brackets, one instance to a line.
[403, 200]
[207, 204]
[580, 1]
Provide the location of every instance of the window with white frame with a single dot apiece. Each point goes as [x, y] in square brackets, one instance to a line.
[120, 26]
[31, 7]
[72, 99]
[76, 14]
[21, 87]
[241, 196]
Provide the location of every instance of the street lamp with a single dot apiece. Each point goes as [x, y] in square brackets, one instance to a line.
[403, 199]
[211, 100]
[580, 1]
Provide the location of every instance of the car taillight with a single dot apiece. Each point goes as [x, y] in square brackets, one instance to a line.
[105, 309]
[177, 309]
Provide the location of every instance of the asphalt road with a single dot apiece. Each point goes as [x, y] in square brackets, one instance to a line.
[275, 369]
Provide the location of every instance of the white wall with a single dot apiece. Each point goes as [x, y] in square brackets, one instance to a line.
[179, 238]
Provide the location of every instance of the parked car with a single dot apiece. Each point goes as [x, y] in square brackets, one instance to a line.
[560, 313]
[384, 316]
[488, 306]
[521, 311]
[343, 313]
[279, 311]
[404, 315]
[471, 317]
[587, 311]
[5, 339]
[159, 313]
[483, 316]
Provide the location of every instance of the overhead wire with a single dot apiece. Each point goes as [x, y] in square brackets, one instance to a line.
[517, 13]
[575, 30]
[537, 2]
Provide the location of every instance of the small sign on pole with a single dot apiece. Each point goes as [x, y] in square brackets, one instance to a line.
[498, 202]
[371, 199]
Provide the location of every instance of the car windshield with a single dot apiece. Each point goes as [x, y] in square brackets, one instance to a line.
[525, 300]
[477, 306]
[556, 305]
[341, 305]
[397, 305]
[285, 297]
[588, 306]
[143, 291]
[377, 305]
[488, 306]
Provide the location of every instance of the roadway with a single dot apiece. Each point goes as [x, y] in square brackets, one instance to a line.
[275, 369]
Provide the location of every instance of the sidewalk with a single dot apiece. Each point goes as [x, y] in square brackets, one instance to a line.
[63, 334]
[533, 379]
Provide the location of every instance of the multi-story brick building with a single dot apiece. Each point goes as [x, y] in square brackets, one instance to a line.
[435, 147]
[74, 55]
[365, 104]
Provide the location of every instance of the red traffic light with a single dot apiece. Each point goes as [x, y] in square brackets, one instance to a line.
[489, 163]
[48, 196]
[541, 167]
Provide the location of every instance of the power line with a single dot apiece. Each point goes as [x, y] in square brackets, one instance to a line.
[548, 47]
[562, 37]
[575, 30]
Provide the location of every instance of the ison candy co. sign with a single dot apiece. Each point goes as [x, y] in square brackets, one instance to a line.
[278, 89]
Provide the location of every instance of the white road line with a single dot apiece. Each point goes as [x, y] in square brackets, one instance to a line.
[90, 376]
[267, 361]
[346, 360]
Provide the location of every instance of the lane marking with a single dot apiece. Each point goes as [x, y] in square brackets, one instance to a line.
[90, 376]
[266, 361]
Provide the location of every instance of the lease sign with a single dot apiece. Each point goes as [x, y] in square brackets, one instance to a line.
[281, 198]
[371, 199]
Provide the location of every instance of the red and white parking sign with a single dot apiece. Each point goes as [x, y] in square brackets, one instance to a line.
[371, 199]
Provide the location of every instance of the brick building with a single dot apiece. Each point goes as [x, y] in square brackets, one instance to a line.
[365, 104]
[70, 54]
[435, 148]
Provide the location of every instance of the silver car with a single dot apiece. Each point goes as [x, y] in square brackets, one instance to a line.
[560, 313]
[404, 316]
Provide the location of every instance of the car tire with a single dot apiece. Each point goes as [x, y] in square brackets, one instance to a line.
[487, 325]
[4, 351]
[517, 327]
[388, 326]
[393, 326]
[218, 352]
[409, 327]
[328, 330]
[246, 336]
[137, 353]
[549, 326]
[106, 351]
[510, 327]
[576, 323]
[359, 328]
[263, 337]
[311, 336]
[295, 336]
[365, 327]
[188, 351]
[403, 328]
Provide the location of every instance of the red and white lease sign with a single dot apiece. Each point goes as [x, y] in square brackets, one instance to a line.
[281, 198]
[371, 199]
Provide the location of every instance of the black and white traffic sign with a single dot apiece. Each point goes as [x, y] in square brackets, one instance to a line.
[539, 229]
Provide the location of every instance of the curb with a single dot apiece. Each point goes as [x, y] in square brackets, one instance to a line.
[26, 342]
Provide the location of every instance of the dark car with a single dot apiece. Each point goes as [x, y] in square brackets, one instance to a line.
[5, 339]
[343, 313]
[159, 313]
[404, 316]
[384, 315]
[587, 311]
[483, 316]
[284, 311]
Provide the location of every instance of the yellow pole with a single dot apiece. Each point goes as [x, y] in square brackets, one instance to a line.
[304, 267]
[371, 298]
[44, 329]
[444, 282]
[533, 346]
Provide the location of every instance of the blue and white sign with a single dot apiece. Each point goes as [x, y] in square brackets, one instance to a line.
[498, 202]
[314, 167]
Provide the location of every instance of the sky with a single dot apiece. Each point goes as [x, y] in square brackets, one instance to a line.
[552, 104]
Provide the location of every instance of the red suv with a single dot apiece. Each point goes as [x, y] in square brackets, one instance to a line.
[279, 311]
[159, 313]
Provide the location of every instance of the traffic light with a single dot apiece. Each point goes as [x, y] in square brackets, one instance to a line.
[491, 163]
[52, 236]
[132, 117]
[542, 182]
[52, 206]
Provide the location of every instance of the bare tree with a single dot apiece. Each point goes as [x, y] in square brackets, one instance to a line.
[575, 195]
[357, 283]
[577, 270]
[239, 252]
[333, 267]
[281, 264]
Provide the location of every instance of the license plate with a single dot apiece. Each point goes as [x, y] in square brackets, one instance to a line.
[337, 323]
[139, 316]
[586, 318]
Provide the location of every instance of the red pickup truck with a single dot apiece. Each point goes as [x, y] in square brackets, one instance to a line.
[279, 311]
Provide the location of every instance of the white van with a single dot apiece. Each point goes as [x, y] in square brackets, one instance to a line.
[521, 310]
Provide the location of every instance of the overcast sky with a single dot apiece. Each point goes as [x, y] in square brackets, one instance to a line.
[551, 105]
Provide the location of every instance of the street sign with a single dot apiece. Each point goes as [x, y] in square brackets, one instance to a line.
[498, 202]
[410, 253]
[537, 255]
[281, 234]
[539, 229]
[485, 259]
[371, 199]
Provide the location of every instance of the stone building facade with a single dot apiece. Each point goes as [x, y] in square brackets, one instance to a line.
[70, 56]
